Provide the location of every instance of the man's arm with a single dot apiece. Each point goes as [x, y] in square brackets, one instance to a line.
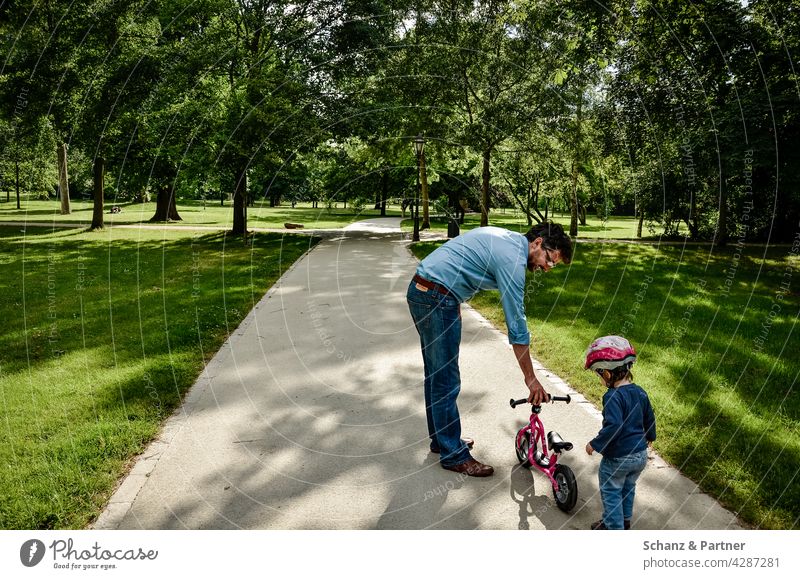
[522, 352]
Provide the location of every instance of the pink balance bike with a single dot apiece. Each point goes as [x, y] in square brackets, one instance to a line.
[532, 448]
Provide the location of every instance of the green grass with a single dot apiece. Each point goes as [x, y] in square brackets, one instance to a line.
[721, 366]
[616, 227]
[193, 213]
[103, 334]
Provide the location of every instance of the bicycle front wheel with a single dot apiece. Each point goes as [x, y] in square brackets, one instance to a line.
[567, 493]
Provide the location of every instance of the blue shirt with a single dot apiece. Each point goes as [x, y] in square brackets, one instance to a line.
[628, 422]
[482, 259]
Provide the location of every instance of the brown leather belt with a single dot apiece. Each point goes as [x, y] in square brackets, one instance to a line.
[431, 285]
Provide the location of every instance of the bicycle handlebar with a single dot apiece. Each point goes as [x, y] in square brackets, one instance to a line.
[567, 399]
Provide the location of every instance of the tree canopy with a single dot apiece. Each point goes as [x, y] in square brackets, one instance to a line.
[682, 113]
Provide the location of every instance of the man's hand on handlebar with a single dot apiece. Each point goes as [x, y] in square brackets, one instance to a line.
[538, 394]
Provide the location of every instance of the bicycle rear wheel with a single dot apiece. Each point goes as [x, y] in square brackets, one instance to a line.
[522, 443]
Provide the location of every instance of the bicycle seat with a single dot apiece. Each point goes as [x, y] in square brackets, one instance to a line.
[556, 443]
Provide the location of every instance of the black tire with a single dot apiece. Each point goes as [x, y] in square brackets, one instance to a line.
[567, 494]
[522, 448]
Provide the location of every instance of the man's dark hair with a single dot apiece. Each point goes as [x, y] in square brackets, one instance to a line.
[553, 238]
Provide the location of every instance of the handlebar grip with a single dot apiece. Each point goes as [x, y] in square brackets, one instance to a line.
[515, 403]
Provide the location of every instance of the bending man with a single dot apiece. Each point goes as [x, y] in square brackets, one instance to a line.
[481, 259]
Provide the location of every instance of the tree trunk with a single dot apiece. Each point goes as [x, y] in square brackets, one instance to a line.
[63, 179]
[722, 224]
[487, 155]
[573, 202]
[384, 191]
[16, 184]
[582, 214]
[529, 217]
[573, 223]
[166, 210]
[240, 203]
[99, 176]
[641, 222]
[426, 221]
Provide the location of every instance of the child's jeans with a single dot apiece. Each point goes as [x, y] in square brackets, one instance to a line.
[618, 487]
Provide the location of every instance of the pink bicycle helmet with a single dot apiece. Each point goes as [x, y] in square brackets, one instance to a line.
[609, 352]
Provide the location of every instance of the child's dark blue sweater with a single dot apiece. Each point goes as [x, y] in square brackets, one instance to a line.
[628, 422]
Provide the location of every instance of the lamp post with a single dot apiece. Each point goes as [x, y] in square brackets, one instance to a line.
[419, 146]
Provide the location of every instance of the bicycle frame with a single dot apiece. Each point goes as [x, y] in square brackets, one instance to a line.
[538, 440]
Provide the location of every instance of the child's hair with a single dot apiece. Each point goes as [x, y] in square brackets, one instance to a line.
[620, 373]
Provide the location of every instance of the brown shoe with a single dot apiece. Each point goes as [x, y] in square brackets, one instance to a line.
[472, 468]
[601, 526]
[598, 526]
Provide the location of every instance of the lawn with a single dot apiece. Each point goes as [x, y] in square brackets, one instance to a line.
[212, 214]
[192, 212]
[103, 334]
[717, 340]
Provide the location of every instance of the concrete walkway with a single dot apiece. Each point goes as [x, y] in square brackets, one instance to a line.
[311, 417]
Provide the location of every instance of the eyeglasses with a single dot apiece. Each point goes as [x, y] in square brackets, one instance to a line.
[550, 262]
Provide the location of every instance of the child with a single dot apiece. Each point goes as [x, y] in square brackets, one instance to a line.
[629, 427]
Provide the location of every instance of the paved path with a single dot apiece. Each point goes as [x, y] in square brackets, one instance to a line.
[311, 417]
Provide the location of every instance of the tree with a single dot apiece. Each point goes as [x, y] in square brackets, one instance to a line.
[269, 112]
[530, 166]
[41, 65]
[499, 82]
[685, 95]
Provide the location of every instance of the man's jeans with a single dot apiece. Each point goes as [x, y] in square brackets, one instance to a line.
[437, 318]
[618, 487]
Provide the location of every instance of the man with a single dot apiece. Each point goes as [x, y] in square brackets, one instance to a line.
[481, 259]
